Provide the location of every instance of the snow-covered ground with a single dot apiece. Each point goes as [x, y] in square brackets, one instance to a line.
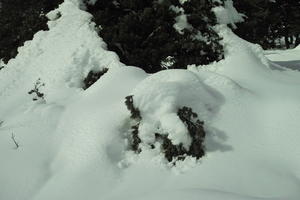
[286, 58]
[72, 143]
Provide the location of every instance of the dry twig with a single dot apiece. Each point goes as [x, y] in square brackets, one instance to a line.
[14, 140]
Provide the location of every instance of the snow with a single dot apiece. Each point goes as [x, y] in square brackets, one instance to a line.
[285, 58]
[228, 14]
[181, 20]
[63, 57]
[176, 89]
[73, 145]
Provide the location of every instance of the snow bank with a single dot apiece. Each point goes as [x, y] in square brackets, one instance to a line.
[60, 57]
[161, 95]
[89, 139]
[72, 145]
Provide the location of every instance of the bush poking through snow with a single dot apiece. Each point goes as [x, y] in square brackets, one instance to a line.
[92, 77]
[195, 129]
[171, 151]
[135, 113]
[136, 118]
[37, 94]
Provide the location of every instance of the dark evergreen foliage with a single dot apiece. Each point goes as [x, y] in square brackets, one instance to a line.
[135, 113]
[269, 21]
[136, 118]
[172, 152]
[92, 77]
[195, 129]
[142, 32]
[19, 21]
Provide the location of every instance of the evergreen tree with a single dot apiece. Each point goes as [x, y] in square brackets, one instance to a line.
[142, 33]
[268, 22]
[290, 20]
[19, 20]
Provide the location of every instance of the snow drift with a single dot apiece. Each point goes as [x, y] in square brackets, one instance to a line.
[72, 144]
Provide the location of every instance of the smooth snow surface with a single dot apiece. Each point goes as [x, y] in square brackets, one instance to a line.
[73, 143]
[287, 58]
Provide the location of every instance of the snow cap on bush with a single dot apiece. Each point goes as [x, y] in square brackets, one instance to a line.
[167, 110]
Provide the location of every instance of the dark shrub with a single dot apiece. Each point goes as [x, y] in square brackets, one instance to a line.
[92, 77]
[136, 118]
[36, 90]
[142, 32]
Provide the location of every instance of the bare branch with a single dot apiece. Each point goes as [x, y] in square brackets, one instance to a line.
[14, 140]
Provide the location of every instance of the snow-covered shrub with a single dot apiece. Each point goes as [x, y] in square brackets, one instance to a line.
[36, 90]
[159, 34]
[19, 21]
[92, 77]
[162, 140]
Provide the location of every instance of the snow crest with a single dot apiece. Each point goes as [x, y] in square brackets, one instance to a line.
[161, 95]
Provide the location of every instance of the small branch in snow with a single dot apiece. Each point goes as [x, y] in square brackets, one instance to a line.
[36, 91]
[14, 140]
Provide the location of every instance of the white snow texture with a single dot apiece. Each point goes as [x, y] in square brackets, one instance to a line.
[72, 144]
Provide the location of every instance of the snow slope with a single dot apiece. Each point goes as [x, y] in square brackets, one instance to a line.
[73, 144]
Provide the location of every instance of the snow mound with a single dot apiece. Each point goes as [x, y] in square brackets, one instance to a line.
[161, 95]
[63, 56]
[72, 145]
